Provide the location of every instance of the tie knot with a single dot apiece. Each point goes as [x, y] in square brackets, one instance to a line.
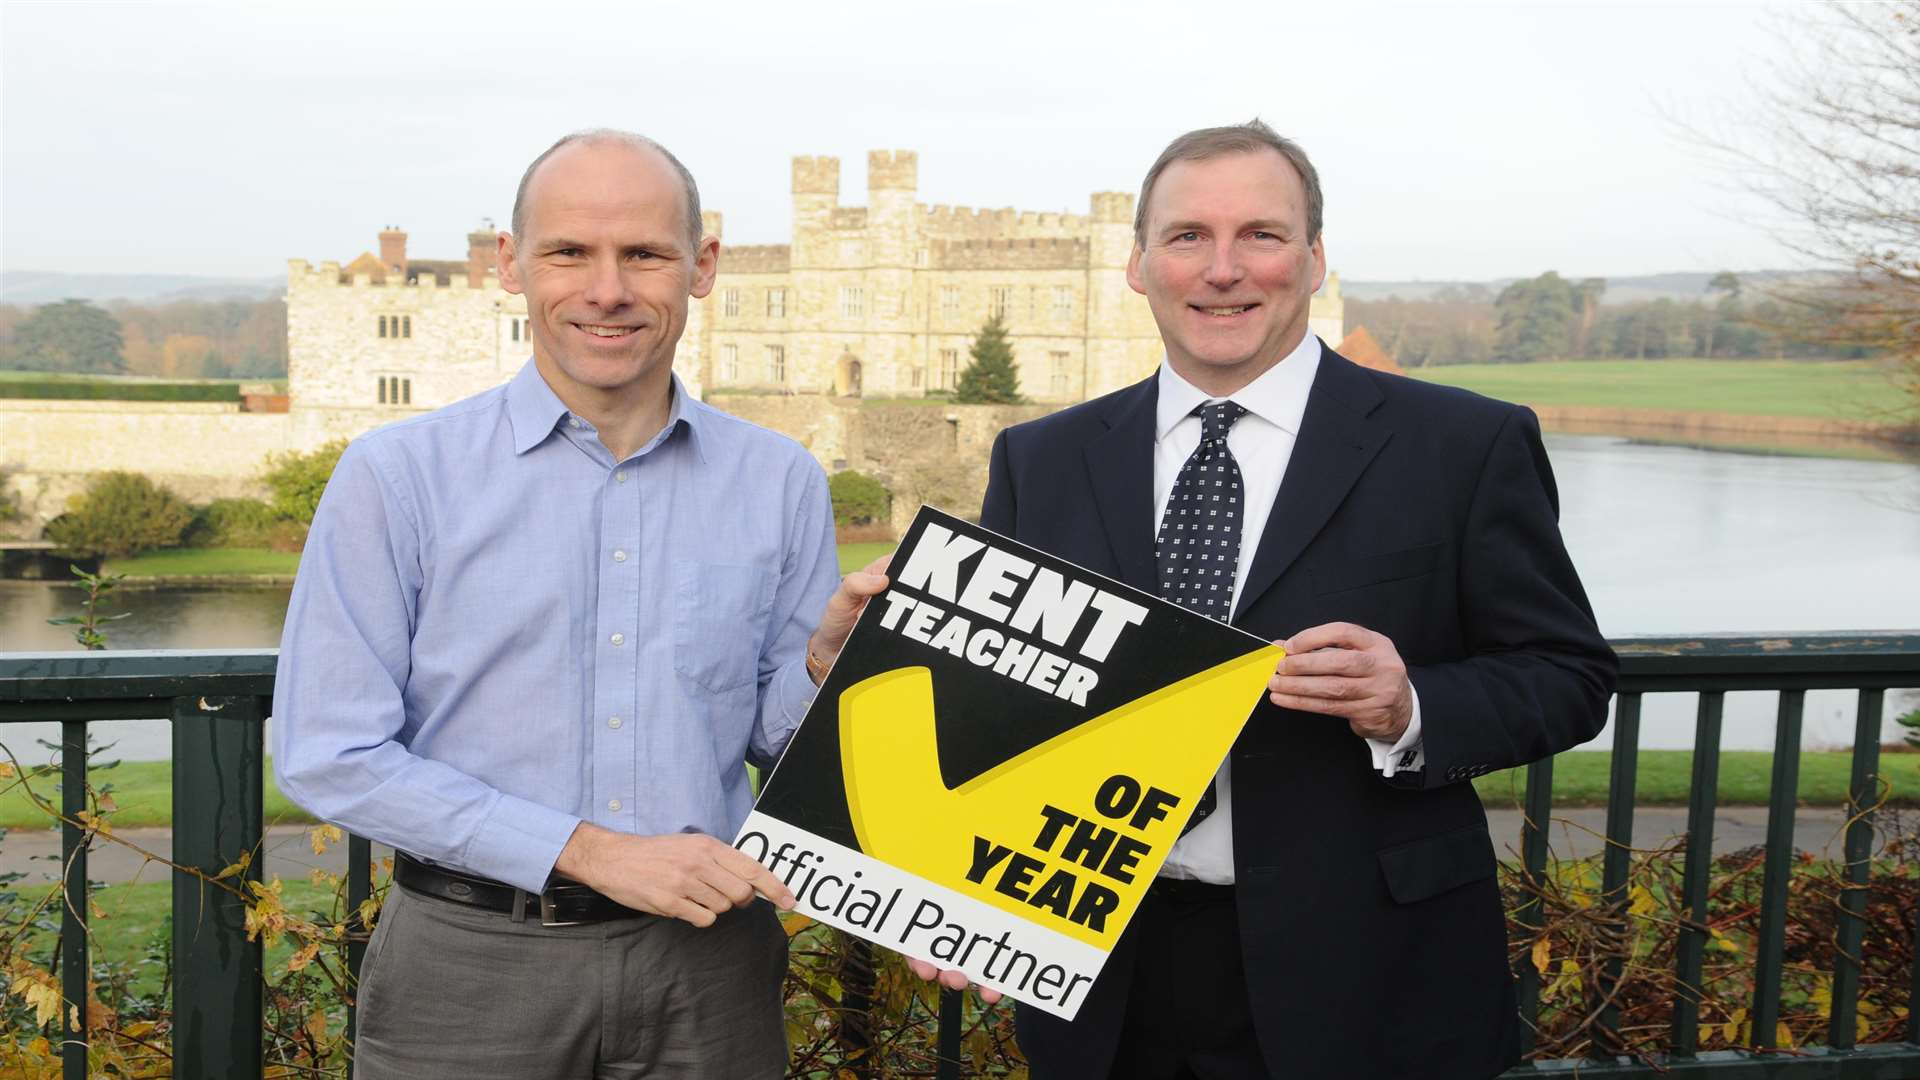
[1217, 417]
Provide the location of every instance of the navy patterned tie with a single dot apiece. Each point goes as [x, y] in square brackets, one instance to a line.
[1198, 547]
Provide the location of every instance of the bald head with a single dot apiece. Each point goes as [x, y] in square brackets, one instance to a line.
[613, 137]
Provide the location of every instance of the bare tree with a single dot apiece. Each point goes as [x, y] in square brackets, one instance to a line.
[1832, 140]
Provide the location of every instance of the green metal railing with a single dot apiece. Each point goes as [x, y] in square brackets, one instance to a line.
[218, 702]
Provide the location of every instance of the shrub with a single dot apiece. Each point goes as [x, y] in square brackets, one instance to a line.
[232, 523]
[298, 480]
[9, 505]
[121, 514]
[117, 390]
[858, 499]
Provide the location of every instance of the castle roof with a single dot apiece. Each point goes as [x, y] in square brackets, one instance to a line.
[1360, 347]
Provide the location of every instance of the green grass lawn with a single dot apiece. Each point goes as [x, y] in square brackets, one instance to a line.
[129, 923]
[143, 790]
[206, 561]
[1828, 390]
[855, 556]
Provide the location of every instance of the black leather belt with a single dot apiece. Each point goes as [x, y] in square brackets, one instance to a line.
[1183, 891]
[563, 903]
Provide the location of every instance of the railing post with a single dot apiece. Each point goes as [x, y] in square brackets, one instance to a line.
[75, 966]
[1861, 795]
[1616, 864]
[1533, 856]
[1691, 950]
[217, 777]
[359, 888]
[1784, 793]
[952, 1018]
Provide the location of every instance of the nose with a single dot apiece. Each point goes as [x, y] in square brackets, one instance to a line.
[1223, 268]
[608, 289]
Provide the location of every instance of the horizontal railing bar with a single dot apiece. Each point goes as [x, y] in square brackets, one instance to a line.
[56, 677]
[1879, 1061]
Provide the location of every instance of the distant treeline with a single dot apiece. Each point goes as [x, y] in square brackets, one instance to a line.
[182, 339]
[1552, 318]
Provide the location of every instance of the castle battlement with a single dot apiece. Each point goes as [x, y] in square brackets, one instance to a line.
[301, 274]
[1113, 207]
[893, 170]
[816, 176]
[756, 259]
[1031, 253]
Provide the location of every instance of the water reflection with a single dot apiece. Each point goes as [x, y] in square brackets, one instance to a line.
[1669, 540]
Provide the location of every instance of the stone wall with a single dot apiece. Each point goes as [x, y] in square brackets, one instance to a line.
[202, 450]
[936, 454]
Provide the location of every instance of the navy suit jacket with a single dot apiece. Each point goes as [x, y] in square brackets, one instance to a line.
[1371, 923]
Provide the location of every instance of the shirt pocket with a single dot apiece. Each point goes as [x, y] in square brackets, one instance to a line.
[719, 618]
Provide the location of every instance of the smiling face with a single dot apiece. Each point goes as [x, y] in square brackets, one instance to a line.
[605, 263]
[1226, 266]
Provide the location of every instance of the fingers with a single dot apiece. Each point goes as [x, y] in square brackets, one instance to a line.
[1329, 635]
[952, 980]
[757, 878]
[1346, 662]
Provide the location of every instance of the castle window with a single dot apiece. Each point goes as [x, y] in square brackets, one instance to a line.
[1062, 303]
[949, 368]
[999, 301]
[406, 326]
[777, 363]
[730, 303]
[853, 302]
[949, 302]
[383, 331]
[729, 363]
[1060, 381]
[394, 390]
[776, 303]
[521, 331]
[515, 323]
[914, 377]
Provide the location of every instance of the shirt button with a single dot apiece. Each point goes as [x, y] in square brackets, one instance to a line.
[618, 639]
[621, 476]
[613, 722]
[613, 805]
[573, 422]
[619, 556]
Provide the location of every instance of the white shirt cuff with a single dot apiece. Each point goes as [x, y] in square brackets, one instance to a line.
[1406, 755]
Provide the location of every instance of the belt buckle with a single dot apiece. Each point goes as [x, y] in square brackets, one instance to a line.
[546, 912]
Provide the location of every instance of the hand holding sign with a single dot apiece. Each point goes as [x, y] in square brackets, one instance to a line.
[1348, 671]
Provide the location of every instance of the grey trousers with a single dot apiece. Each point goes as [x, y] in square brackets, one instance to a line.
[449, 991]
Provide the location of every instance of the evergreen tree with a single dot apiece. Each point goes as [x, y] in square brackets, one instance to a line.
[990, 378]
[70, 336]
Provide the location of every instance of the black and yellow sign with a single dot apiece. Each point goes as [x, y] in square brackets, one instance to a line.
[1000, 760]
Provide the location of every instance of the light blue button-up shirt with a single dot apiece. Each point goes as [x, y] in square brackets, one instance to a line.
[499, 631]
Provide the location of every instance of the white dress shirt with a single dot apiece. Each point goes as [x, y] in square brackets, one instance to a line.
[1262, 444]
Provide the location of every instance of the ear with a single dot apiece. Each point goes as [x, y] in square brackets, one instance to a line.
[706, 266]
[1319, 261]
[1134, 281]
[503, 258]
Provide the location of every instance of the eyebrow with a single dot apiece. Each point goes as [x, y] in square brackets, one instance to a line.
[659, 247]
[1261, 224]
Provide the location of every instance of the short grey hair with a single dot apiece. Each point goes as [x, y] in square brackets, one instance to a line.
[1207, 143]
[623, 138]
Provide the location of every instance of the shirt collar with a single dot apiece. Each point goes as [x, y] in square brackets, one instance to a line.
[1278, 396]
[534, 411]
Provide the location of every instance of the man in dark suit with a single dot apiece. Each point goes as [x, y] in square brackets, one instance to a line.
[1338, 915]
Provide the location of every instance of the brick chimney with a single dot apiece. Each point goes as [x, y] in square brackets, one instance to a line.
[393, 251]
[480, 255]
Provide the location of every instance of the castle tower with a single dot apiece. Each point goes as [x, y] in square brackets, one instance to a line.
[481, 244]
[393, 251]
[816, 193]
[893, 181]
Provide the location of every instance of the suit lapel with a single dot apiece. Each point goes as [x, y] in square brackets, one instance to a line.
[1120, 466]
[1336, 443]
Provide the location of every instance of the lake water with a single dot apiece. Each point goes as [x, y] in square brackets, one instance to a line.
[1669, 540]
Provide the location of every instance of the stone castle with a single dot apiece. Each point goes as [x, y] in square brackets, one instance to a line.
[874, 301]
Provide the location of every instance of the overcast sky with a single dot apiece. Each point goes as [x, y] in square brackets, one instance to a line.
[1455, 142]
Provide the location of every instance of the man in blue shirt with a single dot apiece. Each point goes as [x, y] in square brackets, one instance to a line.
[535, 639]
